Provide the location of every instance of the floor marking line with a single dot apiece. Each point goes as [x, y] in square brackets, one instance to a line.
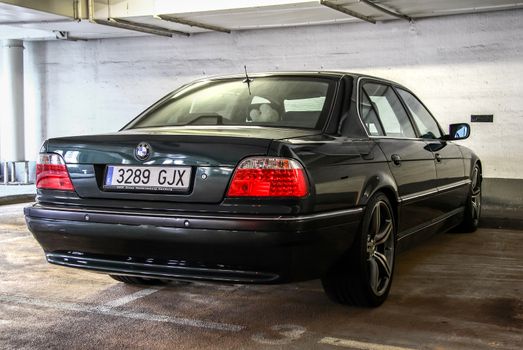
[288, 333]
[76, 307]
[129, 298]
[347, 343]
[13, 239]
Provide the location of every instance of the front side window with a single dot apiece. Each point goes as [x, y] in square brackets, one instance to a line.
[426, 124]
[382, 112]
[266, 101]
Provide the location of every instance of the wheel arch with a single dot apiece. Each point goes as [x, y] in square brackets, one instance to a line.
[392, 196]
[384, 183]
[474, 160]
[477, 161]
[470, 159]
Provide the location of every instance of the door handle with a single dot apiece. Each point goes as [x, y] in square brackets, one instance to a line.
[438, 157]
[396, 159]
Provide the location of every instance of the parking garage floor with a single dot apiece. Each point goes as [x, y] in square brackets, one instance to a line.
[454, 291]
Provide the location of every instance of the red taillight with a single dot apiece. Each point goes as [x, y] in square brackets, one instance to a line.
[268, 177]
[51, 173]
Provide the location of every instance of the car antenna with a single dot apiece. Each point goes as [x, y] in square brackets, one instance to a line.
[247, 80]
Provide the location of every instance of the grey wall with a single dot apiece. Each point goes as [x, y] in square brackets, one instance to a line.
[458, 65]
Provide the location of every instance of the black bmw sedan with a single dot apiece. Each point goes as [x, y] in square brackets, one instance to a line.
[268, 178]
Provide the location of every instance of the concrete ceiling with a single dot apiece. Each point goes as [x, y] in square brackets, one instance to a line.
[62, 19]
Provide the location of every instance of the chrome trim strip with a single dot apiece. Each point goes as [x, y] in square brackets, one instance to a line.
[213, 217]
[417, 195]
[127, 263]
[434, 190]
[178, 272]
[454, 185]
[403, 138]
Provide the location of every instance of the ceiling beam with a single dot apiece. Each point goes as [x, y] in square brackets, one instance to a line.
[386, 10]
[56, 7]
[347, 11]
[138, 27]
[192, 23]
[130, 25]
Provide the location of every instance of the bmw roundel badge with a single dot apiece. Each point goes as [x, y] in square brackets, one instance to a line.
[143, 151]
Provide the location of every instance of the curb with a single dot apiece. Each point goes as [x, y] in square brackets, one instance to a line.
[501, 216]
[501, 223]
[19, 198]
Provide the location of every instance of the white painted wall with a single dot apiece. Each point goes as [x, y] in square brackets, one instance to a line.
[458, 65]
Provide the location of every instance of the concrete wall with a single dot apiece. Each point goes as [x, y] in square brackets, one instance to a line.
[458, 65]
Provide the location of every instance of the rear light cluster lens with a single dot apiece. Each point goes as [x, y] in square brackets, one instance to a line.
[268, 177]
[51, 173]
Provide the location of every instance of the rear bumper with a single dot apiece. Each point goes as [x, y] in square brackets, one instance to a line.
[233, 248]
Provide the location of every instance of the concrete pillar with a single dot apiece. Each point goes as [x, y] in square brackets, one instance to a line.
[12, 102]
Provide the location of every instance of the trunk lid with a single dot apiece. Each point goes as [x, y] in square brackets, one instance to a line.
[210, 153]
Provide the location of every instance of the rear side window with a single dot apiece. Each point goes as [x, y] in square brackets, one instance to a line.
[426, 124]
[370, 118]
[382, 112]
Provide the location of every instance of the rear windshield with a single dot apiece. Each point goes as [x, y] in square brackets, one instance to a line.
[280, 102]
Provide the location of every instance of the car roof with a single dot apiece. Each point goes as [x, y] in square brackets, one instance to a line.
[318, 73]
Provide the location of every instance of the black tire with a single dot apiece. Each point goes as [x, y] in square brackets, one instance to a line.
[364, 275]
[138, 280]
[472, 213]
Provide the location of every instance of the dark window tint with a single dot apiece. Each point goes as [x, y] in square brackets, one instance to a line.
[281, 102]
[426, 124]
[384, 103]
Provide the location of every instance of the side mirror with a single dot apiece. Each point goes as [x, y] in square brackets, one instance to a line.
[459, 131]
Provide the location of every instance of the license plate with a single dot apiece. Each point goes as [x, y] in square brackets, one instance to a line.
[134, 178]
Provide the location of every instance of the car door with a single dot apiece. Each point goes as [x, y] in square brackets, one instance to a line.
[410, 160]
[450, 169]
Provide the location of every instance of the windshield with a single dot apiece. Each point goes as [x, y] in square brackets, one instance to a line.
[271, 101]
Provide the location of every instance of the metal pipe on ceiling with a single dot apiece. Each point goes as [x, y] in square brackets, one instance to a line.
[192, 23]
[140, 27]
[129, 25]
[386, 10]
[17, 23]
[346, 11]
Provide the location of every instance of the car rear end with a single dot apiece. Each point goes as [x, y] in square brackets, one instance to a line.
[213, 202]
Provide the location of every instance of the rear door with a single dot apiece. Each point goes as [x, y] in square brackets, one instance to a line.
[410, 160]
[450, 170]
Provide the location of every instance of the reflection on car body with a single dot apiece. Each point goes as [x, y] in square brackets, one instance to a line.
[285, 177]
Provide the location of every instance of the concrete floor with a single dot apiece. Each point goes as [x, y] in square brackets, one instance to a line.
[455, 291]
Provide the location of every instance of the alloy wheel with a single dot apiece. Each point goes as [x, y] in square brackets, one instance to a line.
[476, 194]
[380, 247]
